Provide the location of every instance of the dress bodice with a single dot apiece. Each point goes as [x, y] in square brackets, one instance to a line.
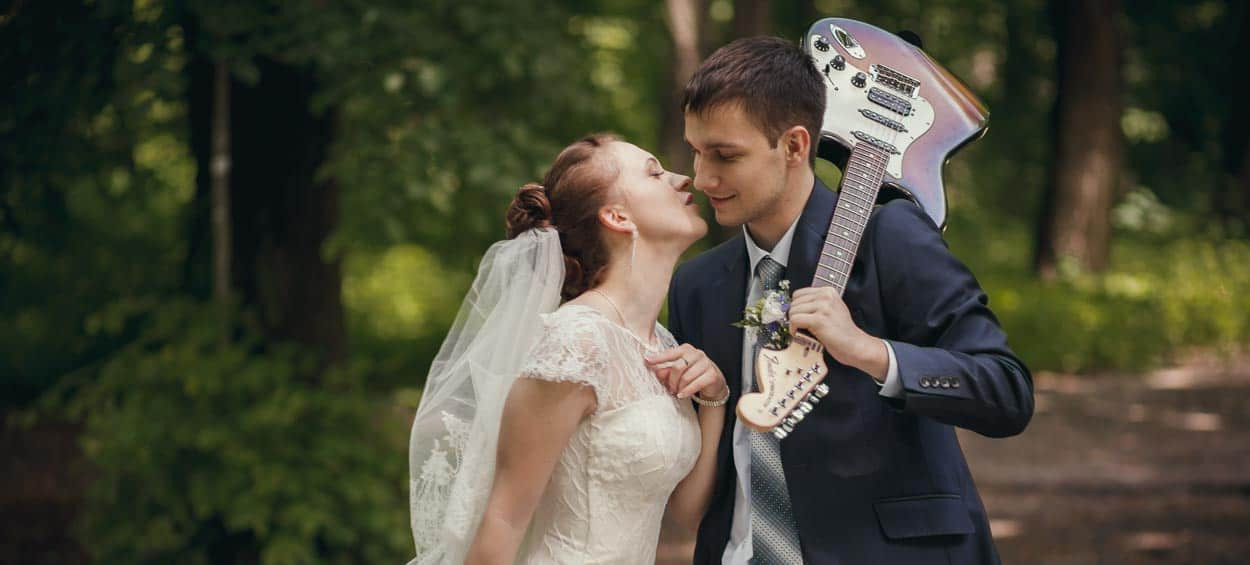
[606, 497]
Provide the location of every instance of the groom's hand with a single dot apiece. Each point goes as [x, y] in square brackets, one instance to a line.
[686, 370]
[822, 313]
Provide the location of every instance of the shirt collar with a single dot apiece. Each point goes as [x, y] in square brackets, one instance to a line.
[780, 252]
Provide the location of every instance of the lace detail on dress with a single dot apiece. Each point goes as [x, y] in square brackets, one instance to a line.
[606, 497]
[581, 345]
[571, 350]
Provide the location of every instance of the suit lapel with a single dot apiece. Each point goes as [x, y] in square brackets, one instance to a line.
[728, 297]
[809, 236]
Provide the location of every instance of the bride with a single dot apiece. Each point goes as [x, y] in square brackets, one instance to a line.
[552, 433]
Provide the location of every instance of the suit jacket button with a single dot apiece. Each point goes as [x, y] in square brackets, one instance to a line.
[954, 383]
[946, 382]
[924, 382]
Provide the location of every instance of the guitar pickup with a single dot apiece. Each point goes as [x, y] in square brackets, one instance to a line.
[891, 102]
[879, 144]
[883, 120]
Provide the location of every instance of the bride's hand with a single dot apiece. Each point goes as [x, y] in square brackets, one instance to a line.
[685, 370]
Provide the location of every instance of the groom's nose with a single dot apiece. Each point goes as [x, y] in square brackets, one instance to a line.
[702, 181]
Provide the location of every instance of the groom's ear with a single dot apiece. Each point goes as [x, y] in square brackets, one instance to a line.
[616, 219]
[797, 143]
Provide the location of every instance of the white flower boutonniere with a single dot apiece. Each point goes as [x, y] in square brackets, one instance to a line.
[770, 317]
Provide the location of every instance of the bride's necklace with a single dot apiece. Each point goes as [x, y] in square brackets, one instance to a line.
[612, 303]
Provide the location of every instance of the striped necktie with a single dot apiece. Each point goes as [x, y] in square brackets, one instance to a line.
[774, 535]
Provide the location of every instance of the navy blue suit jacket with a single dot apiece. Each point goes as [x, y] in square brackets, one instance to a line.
[871, 479]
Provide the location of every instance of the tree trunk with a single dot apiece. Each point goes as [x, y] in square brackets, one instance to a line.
[1237, 215]
[687, 25]
[752, 17]
[283, 211]
[220, 173]
[1232, 203]
[684, 28]
[280, 210]
[1088, 144]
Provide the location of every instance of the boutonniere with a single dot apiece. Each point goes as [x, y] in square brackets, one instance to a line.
[769, 317]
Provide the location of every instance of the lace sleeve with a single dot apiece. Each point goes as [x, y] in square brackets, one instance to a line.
[572, 349]
[667, 341]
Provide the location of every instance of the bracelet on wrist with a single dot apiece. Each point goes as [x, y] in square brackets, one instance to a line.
[712, 403]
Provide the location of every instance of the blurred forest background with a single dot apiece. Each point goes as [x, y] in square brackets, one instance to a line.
[233, 233]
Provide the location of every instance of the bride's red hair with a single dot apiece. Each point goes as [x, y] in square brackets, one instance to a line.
[569, 199]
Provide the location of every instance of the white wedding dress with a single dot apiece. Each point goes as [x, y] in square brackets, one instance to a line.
[608, 492]
[606, 496]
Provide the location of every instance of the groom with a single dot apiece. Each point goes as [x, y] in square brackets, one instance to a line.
[874, 474]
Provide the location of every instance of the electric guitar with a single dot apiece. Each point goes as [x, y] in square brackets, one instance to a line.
[901, 115]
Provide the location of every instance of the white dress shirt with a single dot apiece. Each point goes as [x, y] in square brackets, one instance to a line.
[739, 549]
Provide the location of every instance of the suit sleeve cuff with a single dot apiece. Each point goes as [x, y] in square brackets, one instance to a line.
[892, 387]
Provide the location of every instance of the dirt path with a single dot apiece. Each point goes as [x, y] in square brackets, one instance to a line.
[1115, 469]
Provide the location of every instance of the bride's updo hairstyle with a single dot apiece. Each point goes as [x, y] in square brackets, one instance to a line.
[569, 199]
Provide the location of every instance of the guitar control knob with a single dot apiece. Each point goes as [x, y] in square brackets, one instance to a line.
[780, 433]
[820, 391]
[838, 63]
[859, 80]
[821, 44]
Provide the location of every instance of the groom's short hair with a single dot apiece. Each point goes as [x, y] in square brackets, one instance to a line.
[776, 83]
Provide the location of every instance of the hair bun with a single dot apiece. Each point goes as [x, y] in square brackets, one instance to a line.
[529, 209]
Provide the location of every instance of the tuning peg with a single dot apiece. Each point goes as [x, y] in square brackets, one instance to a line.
[780, 433]
[804, 408]
[820, 391]
[787, 427]
[798, 415]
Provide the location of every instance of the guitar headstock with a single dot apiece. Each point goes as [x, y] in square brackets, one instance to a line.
[790, 385]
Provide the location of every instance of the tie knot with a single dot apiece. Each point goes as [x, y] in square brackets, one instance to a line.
[769, 272]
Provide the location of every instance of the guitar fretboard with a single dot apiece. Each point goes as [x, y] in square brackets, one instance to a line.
[860, 183]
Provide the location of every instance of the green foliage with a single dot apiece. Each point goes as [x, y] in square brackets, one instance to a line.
[206, 452]
[1158, 299]
[94, 180]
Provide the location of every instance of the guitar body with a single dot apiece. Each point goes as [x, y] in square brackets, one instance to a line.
[945, 114]
[901, 115]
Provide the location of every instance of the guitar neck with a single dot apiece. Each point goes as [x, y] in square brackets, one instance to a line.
[861, 181]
